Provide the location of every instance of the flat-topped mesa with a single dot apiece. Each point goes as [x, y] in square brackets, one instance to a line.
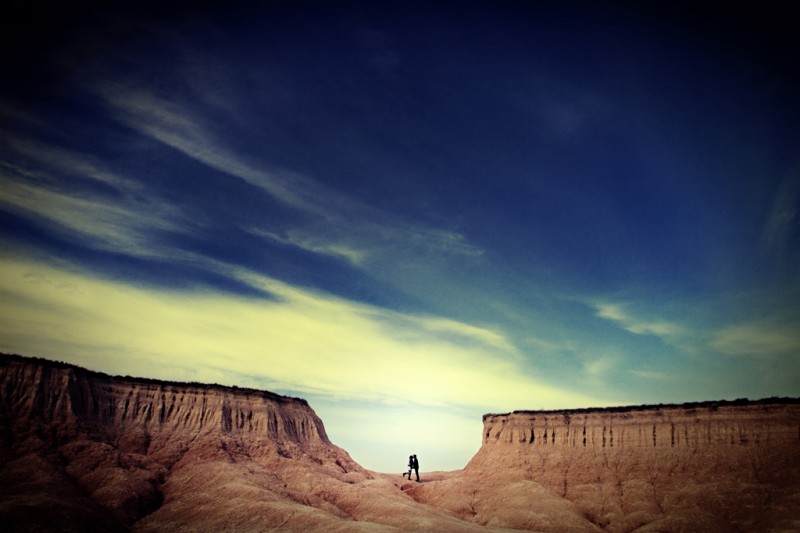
[630, 466]
[144, 416]
[88, 450]
[742, 422]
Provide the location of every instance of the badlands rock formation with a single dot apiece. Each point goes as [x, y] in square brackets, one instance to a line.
[83, 451]
[716, 466]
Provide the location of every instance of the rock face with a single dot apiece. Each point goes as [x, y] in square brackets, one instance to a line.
[114, 443]
[720, 466]
[83, 451]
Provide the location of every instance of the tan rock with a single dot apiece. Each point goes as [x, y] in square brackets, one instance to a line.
[83, 451]
[721, 466]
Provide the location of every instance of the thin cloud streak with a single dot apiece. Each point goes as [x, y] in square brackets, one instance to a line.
[63, 161]
[308, 242]
[782, 215]
[39, 183]
[617, 313]
[758, 339]
[650, 375]
[103, 226]
[344, 222]
[173, 125]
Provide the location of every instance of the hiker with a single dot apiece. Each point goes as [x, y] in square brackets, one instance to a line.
[415, 466]
[410, 467]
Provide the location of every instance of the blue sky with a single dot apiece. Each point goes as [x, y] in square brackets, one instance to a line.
[408, 214]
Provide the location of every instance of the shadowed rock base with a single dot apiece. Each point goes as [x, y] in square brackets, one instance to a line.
[83, 451]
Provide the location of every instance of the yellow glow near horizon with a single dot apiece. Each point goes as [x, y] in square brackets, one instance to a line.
[302, 341]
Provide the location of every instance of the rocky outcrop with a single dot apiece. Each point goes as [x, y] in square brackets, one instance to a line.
[113, 444]
[692, 426]
[716, 466]
[148, 416]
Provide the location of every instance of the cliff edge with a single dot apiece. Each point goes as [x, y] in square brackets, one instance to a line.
[711, 466]
[82, 450]
[705, 467]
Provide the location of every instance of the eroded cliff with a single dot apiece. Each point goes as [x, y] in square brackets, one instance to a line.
[711, 466]
[108, 447]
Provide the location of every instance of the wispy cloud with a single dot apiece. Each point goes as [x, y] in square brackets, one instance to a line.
[304, 342]
[566, 111]
[88, 220]
[62, 161]
[58, 187]
[782, 214]
[758, 339]
[468, 333]
[339, 224]
[599, 366]
[649, 374]
[312, 243]
[618, 313]
[173, 125]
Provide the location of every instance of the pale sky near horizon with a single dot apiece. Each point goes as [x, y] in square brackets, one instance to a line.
[409, 214]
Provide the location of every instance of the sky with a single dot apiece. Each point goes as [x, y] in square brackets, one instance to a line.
[409, 214]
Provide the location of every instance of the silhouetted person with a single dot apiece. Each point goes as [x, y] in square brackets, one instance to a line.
[410, 467]
[415, 466]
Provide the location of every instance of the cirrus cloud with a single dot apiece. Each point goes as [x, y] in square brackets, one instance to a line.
[758, 339]
[618, 313]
